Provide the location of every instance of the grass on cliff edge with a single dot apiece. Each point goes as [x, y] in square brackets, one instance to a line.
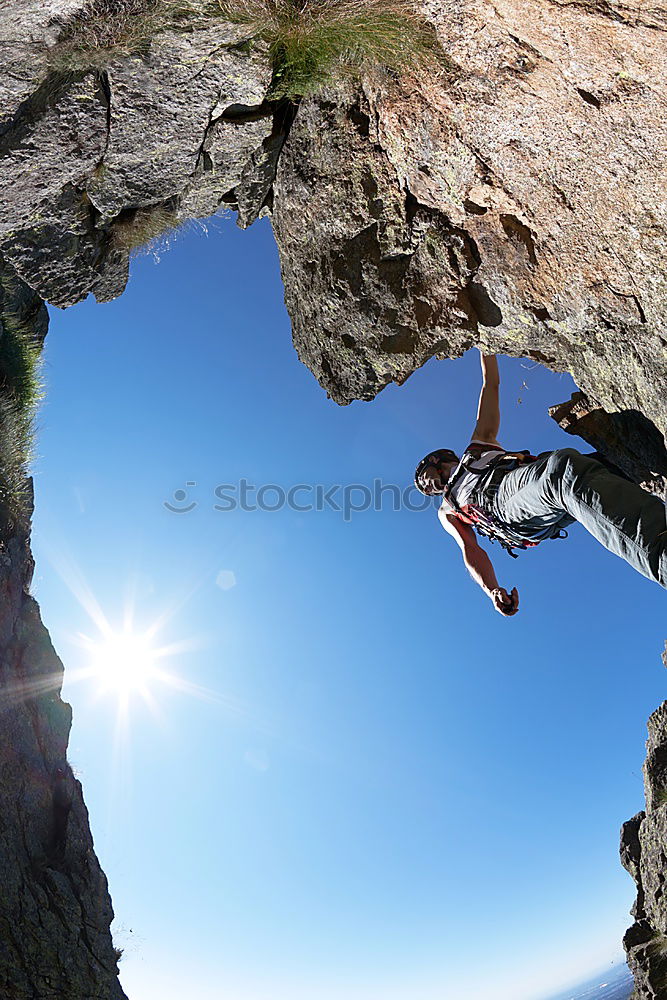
[310, 42]
[144, 227]
[155, 228]
[20, 393]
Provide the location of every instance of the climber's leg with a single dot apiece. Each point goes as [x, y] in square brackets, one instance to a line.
[623, 517]
[526, 502]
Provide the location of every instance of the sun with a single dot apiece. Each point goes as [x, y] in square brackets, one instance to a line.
[124, 663]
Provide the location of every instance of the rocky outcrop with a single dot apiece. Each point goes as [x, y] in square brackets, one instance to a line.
[55, 909]
[515, 202]
[627, 438]
[512, 200]
[644, 856]
[85, 151]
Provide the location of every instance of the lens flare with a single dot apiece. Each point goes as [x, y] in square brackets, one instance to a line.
[124, 663]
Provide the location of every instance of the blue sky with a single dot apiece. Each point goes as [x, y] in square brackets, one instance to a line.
[374, 786]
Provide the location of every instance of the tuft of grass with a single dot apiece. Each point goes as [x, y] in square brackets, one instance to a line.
[155, 228]
[101, 29]
[19, 364]
[310, 42]
[16, 443]
[20, 394]
[105, 29]
[144, 227]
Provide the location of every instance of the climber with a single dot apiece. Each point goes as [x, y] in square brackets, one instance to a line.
[519, 500]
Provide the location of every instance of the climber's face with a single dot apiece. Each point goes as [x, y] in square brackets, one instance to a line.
[434, 477]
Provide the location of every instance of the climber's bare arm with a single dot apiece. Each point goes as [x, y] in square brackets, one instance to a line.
[479, 565]
[488, 411]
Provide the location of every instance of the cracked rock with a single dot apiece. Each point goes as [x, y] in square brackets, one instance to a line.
[162, 108]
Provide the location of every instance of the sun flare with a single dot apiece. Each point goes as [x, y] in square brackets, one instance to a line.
[129, 663]
[124, 663]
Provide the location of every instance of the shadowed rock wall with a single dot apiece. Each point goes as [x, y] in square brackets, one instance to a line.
[627, 438]
[644, 856]
[55, 909]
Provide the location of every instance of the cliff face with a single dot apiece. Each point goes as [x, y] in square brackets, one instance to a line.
[517, 202]
[644, 855]
[55, 909]
[76, 151]
[512, 200]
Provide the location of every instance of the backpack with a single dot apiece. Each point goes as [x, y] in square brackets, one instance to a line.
[492, 470]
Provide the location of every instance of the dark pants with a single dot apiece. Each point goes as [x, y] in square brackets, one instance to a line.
[565, 486]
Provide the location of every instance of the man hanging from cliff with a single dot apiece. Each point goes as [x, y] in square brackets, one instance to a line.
[520, 500]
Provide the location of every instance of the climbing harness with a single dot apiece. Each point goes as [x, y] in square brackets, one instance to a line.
[490, 470]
